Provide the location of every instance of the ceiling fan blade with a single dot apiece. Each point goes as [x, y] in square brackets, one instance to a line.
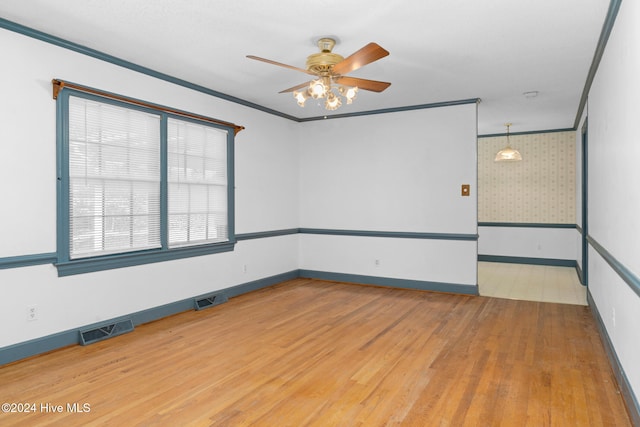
[291, 67]
[291, 89]
[372, 85]
[368, 54]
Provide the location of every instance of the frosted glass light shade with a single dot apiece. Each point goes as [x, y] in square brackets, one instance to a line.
[508, 154]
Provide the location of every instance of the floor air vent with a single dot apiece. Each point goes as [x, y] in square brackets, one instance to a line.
[108, 330]
[209, 301]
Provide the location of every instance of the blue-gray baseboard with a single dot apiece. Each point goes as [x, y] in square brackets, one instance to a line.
[67, 338]
[71, 337]
[392, 282]
[629, 397]
[528, 260]
[554, 262]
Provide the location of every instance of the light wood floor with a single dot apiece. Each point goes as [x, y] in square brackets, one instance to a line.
[531, 283]
[316, 353]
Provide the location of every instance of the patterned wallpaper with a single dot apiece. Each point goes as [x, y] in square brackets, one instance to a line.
[539, 189]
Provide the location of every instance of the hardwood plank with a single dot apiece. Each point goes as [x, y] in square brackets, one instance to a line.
[318, 353]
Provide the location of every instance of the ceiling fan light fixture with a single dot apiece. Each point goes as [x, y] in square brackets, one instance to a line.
[349, 93]
[333, 102]
[317, 89]
[301, 97]
[508, 154]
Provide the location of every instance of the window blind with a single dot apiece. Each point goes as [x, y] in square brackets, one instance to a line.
[114, 179]
[197, 183]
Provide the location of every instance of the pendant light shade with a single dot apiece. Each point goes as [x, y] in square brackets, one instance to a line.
[508, 154]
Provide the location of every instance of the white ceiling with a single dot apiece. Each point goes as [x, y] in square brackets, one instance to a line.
[440, 50]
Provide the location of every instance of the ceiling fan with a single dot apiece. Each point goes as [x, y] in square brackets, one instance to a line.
[330, 69]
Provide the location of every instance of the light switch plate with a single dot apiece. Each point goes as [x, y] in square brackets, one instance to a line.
[466, 189]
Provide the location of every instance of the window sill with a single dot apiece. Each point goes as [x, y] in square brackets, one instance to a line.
[109, 262]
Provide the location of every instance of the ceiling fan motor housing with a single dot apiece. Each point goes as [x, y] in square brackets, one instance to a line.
[321, 62]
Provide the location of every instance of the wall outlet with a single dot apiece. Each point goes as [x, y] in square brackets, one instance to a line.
[376, 262]
[32, 312]
[244, 268]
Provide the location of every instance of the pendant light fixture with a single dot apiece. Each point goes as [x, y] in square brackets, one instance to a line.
[508, 154]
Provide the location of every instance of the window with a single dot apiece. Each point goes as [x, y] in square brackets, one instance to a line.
[197, 183]
[139, 185]
[114, 179]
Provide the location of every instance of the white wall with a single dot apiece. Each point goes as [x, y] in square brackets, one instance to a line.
[613, 177]
[528, 242]
[441, 261]
[397, 172]
[266, 197]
